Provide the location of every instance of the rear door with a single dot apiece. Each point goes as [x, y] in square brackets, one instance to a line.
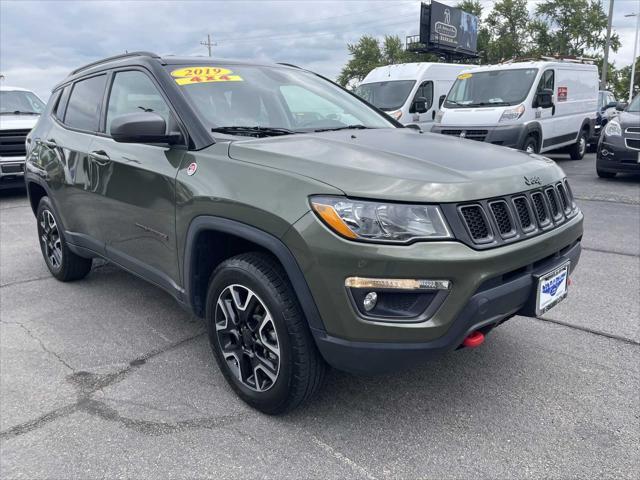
[135, 183]
[77, 118]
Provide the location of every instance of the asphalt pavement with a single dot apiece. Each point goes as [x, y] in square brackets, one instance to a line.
[109, 378]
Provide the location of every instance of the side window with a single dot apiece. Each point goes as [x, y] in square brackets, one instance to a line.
[425, 90]
[61, 106]
[133, 92]
[83, 110]
[546, 81]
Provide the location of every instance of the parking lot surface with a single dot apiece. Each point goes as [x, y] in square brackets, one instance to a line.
[109, 378]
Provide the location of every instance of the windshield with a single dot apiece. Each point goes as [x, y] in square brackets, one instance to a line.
[498, 87]
[271, 98]
[634, 106]
[14, 101]
[386, 95]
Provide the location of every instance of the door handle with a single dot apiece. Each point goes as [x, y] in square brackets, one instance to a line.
[100, 156]
[433, 115]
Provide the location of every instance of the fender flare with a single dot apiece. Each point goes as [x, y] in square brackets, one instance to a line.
[267, 241]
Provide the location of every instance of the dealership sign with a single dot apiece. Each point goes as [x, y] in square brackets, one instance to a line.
[447, 29]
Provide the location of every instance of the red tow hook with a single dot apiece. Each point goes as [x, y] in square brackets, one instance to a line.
[474, 339]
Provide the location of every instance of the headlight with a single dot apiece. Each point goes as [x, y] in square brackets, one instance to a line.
[380, 222]
[512, 113]
[613, 129]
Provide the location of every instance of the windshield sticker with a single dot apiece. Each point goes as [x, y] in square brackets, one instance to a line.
[190, 75]
[464, 76]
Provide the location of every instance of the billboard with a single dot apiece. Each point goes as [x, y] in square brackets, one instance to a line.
[448, 29]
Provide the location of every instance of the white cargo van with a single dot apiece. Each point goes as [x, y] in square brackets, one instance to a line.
[533, 106]
[410, 92]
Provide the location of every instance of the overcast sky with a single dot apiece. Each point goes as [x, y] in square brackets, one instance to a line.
[41, 41]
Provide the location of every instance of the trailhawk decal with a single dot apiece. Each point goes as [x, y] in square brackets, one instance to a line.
[190, 75]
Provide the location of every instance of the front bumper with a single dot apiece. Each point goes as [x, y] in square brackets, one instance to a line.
[507, 135]
[11, 172]
[487, 287]
[614, 156]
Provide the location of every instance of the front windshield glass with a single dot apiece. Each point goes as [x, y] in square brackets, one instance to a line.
[497, 87]
[634, 106]
[386, 95]
[271, 98]
[17, 101]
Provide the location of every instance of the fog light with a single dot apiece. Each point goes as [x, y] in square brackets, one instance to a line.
[370, 301]
[604, 152]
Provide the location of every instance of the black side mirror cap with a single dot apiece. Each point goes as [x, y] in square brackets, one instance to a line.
[620, 106]
[544, 99]
[441, 100]
[143, 127]
[420, 105]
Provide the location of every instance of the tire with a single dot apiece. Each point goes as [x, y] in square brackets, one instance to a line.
[63, 264]
[530, 144]
[603, 174]
[259, 335]
[578, 149]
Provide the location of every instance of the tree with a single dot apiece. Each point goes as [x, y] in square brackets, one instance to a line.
[571, 27]
[509, 29]
[366, 56]
[621, 80]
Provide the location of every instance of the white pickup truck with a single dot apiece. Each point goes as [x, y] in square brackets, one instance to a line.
[19, 112]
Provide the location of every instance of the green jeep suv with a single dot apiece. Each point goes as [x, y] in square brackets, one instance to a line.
[306, 227]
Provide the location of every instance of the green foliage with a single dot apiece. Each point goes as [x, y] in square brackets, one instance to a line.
[509, 28]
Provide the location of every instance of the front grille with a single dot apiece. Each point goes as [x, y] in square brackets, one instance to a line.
[553, 203]
[502, 217]
[12, 143]
[540, 208]
[635, 130]
[633, 143]
[12, 168]
[476, 222]
[479, 135]
[522, 209]
[513, 217]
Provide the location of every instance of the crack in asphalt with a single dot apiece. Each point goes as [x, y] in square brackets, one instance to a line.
[28, 280]
[602, 250]
[87, 384]
[623, 201]
[599, 333]
[44, 347]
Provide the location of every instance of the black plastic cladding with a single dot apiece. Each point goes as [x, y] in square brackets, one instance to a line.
[493, 222]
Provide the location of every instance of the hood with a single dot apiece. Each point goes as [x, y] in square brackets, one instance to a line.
[401, 164]
[629, 119]
[464, 117]
[18, 122]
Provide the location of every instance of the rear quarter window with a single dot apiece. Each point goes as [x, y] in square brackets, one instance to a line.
[83, 109]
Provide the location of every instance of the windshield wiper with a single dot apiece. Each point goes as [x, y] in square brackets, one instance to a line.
[253, 131]
[488, 104]
[19, 112]
[346, 127]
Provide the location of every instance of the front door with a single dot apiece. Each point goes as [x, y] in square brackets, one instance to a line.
[425, 90]
[545, 116]
[136, 185]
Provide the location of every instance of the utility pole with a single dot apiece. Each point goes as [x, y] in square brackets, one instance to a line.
[605, 61]
[635, 51]
[208, 43]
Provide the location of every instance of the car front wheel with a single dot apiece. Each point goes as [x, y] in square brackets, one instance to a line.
[259, 335]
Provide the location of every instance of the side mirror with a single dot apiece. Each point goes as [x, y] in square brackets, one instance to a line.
[620, 106]
[441, 100]
[609, 105]
[419, 105]
[544, 99]
[143, 127]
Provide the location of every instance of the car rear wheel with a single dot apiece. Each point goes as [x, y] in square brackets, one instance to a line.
[579, 148]
[63, 264]
[259, 335]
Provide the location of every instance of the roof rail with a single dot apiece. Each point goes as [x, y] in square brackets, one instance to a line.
[115, 57]
[549, 58]
[288, 65]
